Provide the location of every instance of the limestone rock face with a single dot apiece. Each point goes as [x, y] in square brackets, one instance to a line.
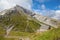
[49, 21]
[44, 28]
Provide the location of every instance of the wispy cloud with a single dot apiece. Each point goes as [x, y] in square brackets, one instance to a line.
[58, 6]
[4, 4]
[43, 6]
[57, 15]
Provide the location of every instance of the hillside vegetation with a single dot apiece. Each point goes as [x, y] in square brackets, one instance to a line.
[49, 35]
[24, 26]
[21, 22]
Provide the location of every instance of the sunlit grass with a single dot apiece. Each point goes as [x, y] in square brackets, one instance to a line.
[49, 35]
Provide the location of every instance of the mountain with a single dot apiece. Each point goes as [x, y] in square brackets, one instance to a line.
[18, 22]
[20, 18]
[26, 20]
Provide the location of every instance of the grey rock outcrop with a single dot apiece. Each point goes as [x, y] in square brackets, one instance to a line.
[46, 20]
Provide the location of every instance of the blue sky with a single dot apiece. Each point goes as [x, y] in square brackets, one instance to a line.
[49, 4]
[50, 8]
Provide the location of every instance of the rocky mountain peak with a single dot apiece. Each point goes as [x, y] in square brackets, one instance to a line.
[43, 19]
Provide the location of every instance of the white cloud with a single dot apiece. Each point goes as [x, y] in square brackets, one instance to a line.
[37, 11]
[4, 4]
[59, 6]
[43, 6]
[57, 14]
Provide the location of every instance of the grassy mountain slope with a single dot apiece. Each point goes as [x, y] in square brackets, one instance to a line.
[49, 35]
[25, 26]
[20, 20]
